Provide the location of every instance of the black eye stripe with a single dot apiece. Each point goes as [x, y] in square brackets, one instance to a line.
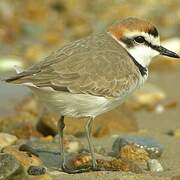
[130, 43]
[139, 39]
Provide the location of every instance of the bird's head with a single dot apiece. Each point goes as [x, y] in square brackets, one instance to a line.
[140, 38]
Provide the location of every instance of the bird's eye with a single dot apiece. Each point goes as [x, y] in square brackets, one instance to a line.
[139, 39]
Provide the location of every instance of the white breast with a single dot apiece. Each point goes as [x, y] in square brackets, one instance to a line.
[77, 105]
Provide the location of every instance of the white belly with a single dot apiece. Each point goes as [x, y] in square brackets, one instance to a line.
[77, 105]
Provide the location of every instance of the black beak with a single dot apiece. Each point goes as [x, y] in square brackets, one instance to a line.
[166, 52]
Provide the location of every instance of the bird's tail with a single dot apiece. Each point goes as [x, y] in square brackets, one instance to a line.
[13, 79]
[19, 74]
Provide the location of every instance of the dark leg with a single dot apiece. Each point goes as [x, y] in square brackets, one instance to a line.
[61, 126]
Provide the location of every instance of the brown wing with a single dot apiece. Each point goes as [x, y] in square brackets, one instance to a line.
[93, 71]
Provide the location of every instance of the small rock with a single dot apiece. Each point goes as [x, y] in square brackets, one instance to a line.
[6, 140]
[170, 104]
[133, 152]
[150, 145]
[36, 170]
[119, 165]
[24, 158]
[28, 149]
[49, 152]
[10, 168]
[175, 133]
[47, 124]
[154, 165]
[26, 131]
[160, 108]
[80, 160]
[106, 163]
[100, 150]
[20, 125]
[176, 177]
[47, 138]
[71, 143]
[29, 105]
[147, 97]
[7, 64]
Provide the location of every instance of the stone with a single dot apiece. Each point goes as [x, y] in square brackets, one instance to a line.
[107, 163]
[154, 165]
[176, 177]
[150, 145]
[120, 119]
[147, 97]
[165, 105]
[48, 152]
[7, 64]
[36, 170]
[47, 138]
[29, 105]
[22, 125]
[71, 143]
[6, 140]
[133, 152]
[26, 130]
[164, 63]
[176, 133]
[80, 160]
[10, 168]
[47, 124]
[25, 159]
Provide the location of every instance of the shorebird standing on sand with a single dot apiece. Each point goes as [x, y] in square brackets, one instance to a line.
[95, 74]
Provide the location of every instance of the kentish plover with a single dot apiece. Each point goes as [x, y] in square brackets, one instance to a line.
[90, 76]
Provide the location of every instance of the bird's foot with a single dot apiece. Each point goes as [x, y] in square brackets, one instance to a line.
[81, 170]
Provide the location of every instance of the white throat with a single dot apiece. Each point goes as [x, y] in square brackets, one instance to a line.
[142, 54]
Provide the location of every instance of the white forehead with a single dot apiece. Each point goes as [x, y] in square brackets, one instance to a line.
[147, 36]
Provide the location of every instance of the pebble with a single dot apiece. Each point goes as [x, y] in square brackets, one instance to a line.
[28, 149]
[80, 160]
[176, 177]
[134, 153]
[6, 140]
[103, 162]
[147, 97]
[149, 144]
[36, 170]
[176, 133]
[71, 143]
[25, 159]
[7, 64]
[10, 168]
[21, 124]
[47, 124]
[29, 105]
[154, 165]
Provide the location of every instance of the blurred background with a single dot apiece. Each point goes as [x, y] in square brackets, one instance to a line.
[31, 29]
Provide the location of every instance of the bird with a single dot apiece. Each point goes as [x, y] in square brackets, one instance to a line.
[95, 74]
